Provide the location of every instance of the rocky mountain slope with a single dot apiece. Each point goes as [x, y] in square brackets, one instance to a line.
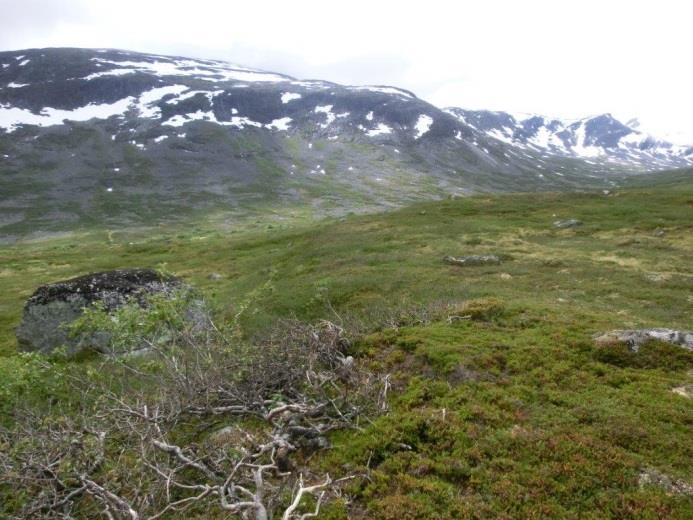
[121, 138]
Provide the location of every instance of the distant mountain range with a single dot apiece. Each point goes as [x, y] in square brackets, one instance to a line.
[116, 138]
[600, 137]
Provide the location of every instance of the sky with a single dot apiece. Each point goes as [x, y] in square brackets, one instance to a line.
[562, 58]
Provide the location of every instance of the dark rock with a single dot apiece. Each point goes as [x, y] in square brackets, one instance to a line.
[636, 338]
[471, 260]
[565, 224]
[47, 314]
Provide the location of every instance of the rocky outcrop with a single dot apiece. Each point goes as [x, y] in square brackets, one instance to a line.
[48, 313]
[470, 260]
[638, 337]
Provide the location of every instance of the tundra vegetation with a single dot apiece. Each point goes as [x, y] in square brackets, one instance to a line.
[348, 371]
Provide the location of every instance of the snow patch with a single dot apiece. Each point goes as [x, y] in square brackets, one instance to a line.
[210, 94]
[290, 96]
[147, 99]
[423, 125]
[580, 148]
[181, 119]
[111, 72]
[497, 134]
[327, 110]
[280, 124]
[378, 130]
[11, 117]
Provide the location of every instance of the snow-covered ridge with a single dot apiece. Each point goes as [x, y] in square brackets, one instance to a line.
[191, 90]
[384, 90]
[185, 67]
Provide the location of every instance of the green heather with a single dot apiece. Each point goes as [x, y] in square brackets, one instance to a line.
[502, 406]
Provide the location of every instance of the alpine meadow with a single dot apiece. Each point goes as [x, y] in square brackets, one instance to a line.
[226, 292]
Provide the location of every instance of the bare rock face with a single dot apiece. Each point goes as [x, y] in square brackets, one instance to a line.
[638, 337]
[48, 313]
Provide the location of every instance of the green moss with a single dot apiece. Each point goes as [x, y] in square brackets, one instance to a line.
[653, 354]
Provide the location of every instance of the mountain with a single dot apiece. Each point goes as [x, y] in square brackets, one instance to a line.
[117, 138]
[601, 137]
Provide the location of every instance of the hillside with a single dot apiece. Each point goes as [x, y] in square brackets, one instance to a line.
[501, 405]
[99, 137]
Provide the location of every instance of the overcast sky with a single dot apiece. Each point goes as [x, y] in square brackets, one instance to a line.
[569, 58]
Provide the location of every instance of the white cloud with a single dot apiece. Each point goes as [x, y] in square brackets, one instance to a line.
[569, 59]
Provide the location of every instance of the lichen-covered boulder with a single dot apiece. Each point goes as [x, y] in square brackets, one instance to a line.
[52, 308]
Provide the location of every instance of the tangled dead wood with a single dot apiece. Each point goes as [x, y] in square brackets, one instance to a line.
[140, 454]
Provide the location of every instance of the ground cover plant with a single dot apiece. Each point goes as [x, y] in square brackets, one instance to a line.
[499, 402]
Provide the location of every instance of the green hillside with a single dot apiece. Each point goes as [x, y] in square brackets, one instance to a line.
[501, 405]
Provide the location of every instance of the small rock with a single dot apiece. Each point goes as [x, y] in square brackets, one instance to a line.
[652, 477]
[657, 277]
[570, 223]
[659, 232]
[214, 276]
[684, 391]
[635, 338]
[506, 276]
[470, 260]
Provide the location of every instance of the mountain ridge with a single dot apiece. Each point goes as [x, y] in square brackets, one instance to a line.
[598, 136]
[118, 138]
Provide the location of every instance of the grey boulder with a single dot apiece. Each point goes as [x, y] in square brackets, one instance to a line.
[565, 224]
[637, 337]
[52, 308]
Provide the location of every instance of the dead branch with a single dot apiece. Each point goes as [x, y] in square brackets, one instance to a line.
[282, 398]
